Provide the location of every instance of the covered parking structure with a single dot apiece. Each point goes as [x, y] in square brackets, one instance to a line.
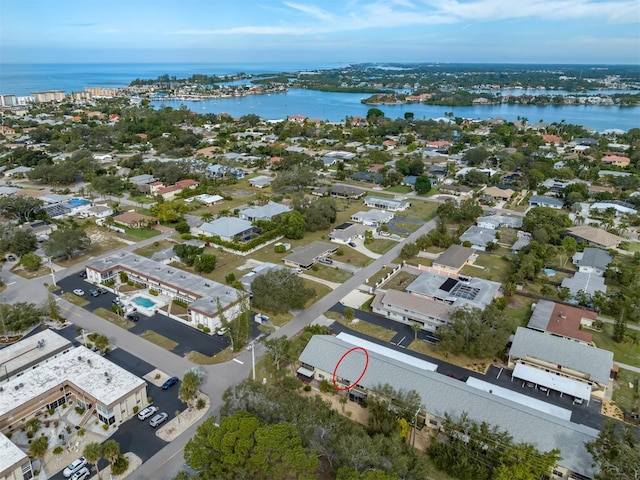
[579, 390]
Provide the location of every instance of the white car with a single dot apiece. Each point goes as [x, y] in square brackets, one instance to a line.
[147, 412]
[81, 474]
[75, 466]
[79, 292]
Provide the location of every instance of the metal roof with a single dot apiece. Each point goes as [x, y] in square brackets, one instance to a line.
[552, 381]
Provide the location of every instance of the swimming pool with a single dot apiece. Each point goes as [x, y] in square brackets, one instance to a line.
[78, 202]
[549, 272]
[143, 302]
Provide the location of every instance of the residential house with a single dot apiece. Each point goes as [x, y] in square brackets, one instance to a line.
[587, 283]
[592, 260]
[169, 193]
[479, 237]
[497, 193]
[596, 189]
[537, 201]
[457, 190]
[347, 232]
[409, 181]
[221, 171]
[443, 396]
[134, 220]
[261, 181]
[345, 191]
[495, 222]
[17, 172]
[594, 236]
[229, 229]
[373, 218]
[366, 177]
[621, 208]
[263, 212]
[616, 160]
[142, 182]
[389, 204]
[247, 280]
[99, 211]
[522, 240]
[560, 364]
[306, 255]
[562, 321]
[613, 173]
[166, 256]
[454, 258]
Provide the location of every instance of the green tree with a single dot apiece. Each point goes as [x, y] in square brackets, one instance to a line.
[182, 227]
[39, 446]
[374, 114]
[423, 185]
[100, 341]
[409, 250]
[278, 349]
[475, 156]
[205, 263]
[547, 219]
[92, 452]
[242, 447]
[475, 332]
[18, 317]
[31, 261]
[616, 452]
[188, 253]
[191, 383]
[20, 208]
[66, 242]
[320, 214]
[293, 224]
[111, 451]
[17, 240]
[279, 291]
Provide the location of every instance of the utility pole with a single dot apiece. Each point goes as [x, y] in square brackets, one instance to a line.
[253, 360]
[53, 277]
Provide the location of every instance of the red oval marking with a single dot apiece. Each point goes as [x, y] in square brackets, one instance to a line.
[353, 384]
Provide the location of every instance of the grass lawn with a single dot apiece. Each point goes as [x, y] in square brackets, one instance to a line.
[380, 246]
[412, 227]
[137, 234]
[202, 359]
[399, 281]
[113, 318]
[426, 348]
[153, 248]
[101, 242]
[624, 352]
[379, 275]
[634, 247]
[519, 309]
[375, 331]
[421, 210]
[623, 394]
[398, 189]
[43, 270]
[326, 272]
[159, 340]
[75, 299]
[495, 268]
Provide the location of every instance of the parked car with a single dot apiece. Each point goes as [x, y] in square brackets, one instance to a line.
[326, 261]
[147, 412]
[94, 293]
[74, 466]
[79, 292]
[170, 383]
[12, 258]
[117, 302]
[133, 317]
[101, 290]
[159, 419]
[81, 474]
[352, 244]
[82, 274]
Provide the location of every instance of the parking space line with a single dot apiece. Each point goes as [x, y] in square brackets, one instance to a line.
[238, 361]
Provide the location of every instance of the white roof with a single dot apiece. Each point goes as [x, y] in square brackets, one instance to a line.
[387, 352]
[88, 371]
[11, 454]
[31, 350]
[552, 381]
[534, 403]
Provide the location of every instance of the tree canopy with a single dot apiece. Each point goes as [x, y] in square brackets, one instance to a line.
[66, 242]
[244, 447]
[20, 208]
[279, 290]
[616, 452]
[545, 223]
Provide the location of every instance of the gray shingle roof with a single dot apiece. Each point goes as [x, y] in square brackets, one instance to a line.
[560, 351]
[441, 394]
[595, 257]
[454, 257]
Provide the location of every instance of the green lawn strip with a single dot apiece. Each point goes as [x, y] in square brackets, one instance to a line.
[138, 234]
[420, 210]
[624, 352]
[412, 227]
[495, 268]
[202, 359]
[75, 299]
[474, 364]
[398, 189]
[633, 246]
[399, 281]
[624, 396]
[42, 271]
[326, 272]
[362, 326]
[159, 340]
[113, 318]
[158, 246]
[380, 246]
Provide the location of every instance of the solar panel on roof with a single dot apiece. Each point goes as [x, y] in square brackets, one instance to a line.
[448, 284]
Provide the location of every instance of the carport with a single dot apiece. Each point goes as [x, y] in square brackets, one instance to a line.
[578, 390]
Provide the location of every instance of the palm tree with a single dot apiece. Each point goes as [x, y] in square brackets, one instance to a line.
[206, 216]
[191, 382]
[416, 328]
[38, 447]
[111, 451]
[93, 454]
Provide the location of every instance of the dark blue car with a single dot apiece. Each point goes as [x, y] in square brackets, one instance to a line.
[169, 383]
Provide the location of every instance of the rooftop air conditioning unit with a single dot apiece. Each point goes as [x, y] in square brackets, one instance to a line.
[79, 358]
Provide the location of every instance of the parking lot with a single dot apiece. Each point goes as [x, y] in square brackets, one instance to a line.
[188, 338]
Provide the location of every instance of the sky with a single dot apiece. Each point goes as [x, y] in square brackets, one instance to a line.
[322, 31]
